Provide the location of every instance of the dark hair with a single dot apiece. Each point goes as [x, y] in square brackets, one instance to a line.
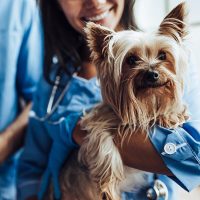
[62, 40]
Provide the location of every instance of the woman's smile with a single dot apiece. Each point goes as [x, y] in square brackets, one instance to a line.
[107, 13]
[97, 17]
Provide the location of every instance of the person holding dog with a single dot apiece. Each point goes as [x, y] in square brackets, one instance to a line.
[69, 89]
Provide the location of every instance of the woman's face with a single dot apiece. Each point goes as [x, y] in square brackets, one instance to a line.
[105, 12]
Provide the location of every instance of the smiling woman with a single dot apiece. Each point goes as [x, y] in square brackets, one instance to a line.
[71, 88]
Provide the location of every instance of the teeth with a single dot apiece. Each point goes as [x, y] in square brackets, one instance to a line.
[98, 17]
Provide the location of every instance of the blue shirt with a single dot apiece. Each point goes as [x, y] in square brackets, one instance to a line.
[82, 94]
[20, 69]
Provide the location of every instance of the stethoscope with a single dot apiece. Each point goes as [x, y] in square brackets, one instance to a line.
[50, 106]
[158, 191]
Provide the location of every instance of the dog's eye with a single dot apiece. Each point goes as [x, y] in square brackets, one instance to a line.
[131, 60]
[162, 55]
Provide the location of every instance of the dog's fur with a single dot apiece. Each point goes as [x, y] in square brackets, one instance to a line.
[142, 79]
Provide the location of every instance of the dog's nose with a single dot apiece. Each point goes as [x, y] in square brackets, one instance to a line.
[152, 76]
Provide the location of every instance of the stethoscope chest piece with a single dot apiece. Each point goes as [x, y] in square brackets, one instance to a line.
[159, 191]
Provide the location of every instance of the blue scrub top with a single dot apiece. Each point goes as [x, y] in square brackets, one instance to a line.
[44, 130]
[20, 70]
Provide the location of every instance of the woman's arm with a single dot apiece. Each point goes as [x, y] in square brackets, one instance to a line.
[142, 154]
[148, 158]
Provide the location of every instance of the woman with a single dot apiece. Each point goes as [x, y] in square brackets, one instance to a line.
[70, 88]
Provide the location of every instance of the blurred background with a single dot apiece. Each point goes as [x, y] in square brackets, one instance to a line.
[149, 14]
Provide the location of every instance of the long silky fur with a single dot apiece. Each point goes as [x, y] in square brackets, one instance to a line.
[125, 108]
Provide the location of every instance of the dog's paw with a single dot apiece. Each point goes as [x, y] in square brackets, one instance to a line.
[173, 120]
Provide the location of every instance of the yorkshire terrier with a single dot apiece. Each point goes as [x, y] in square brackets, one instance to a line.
[142, 79]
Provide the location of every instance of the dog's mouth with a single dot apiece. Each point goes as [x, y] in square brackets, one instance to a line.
[155, 85]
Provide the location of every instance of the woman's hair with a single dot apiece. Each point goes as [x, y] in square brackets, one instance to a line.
[62, 40]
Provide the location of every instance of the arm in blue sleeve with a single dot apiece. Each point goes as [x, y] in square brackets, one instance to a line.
[62, 145]
[46, 148]
[180, 148]
[33, 160]
[30, 60]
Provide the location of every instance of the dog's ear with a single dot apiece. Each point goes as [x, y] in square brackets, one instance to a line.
[174, 24]
[98, 37]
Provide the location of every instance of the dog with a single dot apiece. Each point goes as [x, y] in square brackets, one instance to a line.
[142, 79]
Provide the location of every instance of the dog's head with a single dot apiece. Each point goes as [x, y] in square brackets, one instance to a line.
[141, 74]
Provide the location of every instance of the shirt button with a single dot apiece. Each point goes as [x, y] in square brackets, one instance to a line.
[170, 148]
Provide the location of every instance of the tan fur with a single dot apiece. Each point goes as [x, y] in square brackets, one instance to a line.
[174, 23]
[130, 103]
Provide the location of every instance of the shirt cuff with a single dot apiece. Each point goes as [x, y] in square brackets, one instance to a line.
[28, 189]
[179, 155]
[68, 127]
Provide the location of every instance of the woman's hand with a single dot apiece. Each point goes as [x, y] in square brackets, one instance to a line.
[78, 134]
[11, 139]
[4, 147]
